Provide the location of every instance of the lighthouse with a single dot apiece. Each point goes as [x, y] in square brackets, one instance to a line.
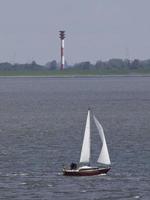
[62, 37]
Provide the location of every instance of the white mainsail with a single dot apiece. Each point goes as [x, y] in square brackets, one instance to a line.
[85, 152]
[104, 155]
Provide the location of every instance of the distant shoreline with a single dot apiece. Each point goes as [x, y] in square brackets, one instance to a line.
[75, 76]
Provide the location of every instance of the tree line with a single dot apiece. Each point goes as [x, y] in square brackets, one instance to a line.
[99, 65]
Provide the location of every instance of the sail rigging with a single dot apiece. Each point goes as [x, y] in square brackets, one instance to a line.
[104, 155]
[86, 146]
[84, 169]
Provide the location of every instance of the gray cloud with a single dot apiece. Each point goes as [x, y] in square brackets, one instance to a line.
[98, 29]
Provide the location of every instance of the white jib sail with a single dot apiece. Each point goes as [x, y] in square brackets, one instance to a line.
[85, 152]
[104, 155]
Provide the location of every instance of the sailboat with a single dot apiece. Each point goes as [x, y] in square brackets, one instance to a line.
[85, 169]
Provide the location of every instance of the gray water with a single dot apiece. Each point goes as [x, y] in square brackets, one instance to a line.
[41, 129]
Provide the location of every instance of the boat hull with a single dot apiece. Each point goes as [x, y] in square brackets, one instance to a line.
[86, 172]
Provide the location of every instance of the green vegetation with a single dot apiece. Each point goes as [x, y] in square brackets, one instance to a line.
[111, 67]
[74, 72]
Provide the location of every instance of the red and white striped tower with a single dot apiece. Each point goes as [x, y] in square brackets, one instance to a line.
[62, 37]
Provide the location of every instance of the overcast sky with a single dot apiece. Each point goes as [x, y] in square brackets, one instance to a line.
[95, 29]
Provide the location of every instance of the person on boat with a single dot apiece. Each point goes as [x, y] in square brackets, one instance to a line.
[73, 166]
